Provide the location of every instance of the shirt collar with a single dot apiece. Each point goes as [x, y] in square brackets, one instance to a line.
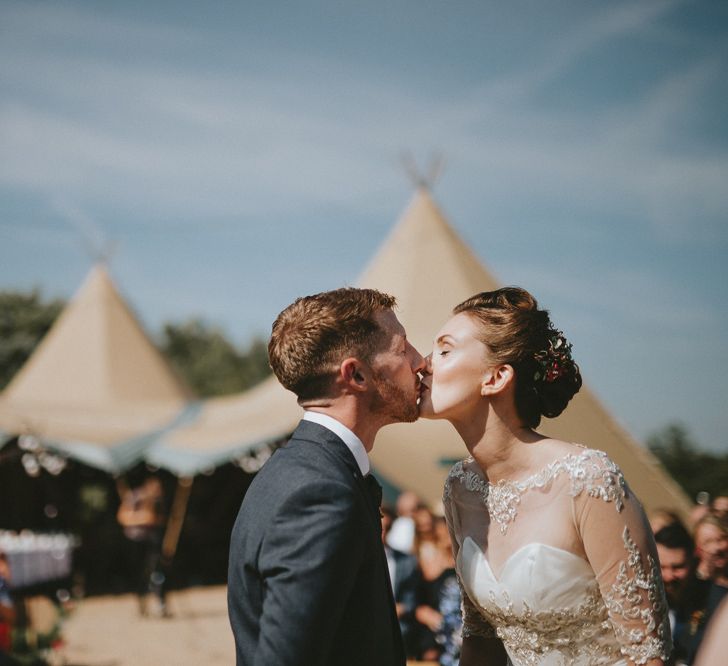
[353, 443]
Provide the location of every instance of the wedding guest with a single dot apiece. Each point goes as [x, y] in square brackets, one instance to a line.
[675, 551]
[711, 545]
[697, 513]
[142, 516]
[405, 576]
[709, 586]
[426, 547]
[719, 505]
[439, 608]
[402, 535]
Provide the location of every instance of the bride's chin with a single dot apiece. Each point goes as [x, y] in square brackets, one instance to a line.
[427, 412]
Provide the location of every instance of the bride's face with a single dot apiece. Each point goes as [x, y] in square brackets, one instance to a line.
[456, 369]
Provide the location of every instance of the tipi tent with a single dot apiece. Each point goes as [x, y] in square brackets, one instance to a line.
[429, 269]
[96, 388]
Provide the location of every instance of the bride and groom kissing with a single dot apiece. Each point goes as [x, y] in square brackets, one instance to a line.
[555, 562]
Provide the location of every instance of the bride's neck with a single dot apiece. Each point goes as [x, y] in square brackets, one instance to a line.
[499, 443]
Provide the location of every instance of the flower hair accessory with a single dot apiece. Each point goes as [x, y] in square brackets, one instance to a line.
[554, 360]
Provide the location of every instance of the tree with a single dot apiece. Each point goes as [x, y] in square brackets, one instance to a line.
[209, 362]
[202, 354]
[24, 319]
[694, 469]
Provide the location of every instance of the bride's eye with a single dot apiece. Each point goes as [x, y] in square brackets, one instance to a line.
[444, 352]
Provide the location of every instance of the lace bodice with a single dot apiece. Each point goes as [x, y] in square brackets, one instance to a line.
[559, 565]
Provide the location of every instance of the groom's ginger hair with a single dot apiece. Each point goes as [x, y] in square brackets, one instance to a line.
[315, 333]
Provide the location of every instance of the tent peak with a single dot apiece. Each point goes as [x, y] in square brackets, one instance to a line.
[423, 179]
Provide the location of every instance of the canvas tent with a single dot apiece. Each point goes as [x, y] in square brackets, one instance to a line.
[429, 269]
[229, 428]
[95, 389]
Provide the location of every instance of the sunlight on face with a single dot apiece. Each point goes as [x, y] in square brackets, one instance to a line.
[459, 363]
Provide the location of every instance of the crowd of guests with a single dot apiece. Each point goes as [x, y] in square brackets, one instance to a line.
[693, 560]
[422, 570]
[694, 564]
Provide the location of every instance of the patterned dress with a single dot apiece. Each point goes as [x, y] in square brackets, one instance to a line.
[561, 565]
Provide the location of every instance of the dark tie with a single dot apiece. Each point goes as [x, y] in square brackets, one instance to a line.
[375, 490]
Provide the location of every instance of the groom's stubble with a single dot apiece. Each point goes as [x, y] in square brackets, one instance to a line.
[393, 401]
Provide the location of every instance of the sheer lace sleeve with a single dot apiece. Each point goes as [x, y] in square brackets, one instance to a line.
[474, 624]
[620, 548]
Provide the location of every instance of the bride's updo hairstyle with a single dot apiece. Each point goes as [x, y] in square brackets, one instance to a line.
[518, 334]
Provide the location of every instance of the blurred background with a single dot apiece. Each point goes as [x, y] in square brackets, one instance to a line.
[173, 174]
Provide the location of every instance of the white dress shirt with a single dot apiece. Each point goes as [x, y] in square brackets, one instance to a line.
[353, 443]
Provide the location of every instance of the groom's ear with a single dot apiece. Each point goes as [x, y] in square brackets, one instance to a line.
[496, 380]
[353, 374]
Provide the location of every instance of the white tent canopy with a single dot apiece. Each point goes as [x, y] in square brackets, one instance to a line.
[96, 388]
[429, 269]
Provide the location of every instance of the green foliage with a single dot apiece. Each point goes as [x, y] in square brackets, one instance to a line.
[694, 469]
[24, 319]
[209, 362]
[202, 354]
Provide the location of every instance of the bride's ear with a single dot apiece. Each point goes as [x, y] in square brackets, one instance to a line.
[496, 379]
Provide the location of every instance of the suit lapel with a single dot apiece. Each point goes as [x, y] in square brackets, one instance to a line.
[339, 453]
[335, 449]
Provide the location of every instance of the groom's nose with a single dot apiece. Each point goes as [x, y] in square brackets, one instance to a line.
[418, 363]
[428, 364]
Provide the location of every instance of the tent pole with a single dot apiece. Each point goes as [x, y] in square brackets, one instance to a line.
[176, 518]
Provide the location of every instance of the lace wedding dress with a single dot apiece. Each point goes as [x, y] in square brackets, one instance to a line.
[560, 566]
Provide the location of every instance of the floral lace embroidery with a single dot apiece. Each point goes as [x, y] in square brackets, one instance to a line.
[643, 630]
[591, 471]
[469, 478]
[572, 632]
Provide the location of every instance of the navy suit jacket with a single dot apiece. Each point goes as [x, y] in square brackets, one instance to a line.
[307, 582]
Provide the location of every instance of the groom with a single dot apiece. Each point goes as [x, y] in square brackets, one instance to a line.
[308, 583]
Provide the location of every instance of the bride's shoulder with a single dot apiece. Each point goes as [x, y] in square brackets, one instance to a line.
[467, 475]
[594, 474]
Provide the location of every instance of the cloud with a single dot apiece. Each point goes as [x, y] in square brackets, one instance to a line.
[188, 142]
[565, 49]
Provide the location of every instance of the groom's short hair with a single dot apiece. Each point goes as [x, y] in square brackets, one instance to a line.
[315, 333]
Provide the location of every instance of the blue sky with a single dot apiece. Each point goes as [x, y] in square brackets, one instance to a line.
[241, 154]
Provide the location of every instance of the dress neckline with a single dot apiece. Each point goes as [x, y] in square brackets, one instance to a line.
[533, 477]
[600, 478]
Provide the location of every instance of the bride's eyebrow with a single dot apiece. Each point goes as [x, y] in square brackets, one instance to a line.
[444, 338]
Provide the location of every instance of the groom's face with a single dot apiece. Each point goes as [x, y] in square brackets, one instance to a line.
[395, 369]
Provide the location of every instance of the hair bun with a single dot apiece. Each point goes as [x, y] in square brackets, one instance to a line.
[557, 378]
[555, 396]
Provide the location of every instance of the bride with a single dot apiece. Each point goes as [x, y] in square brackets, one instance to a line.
[553, 552]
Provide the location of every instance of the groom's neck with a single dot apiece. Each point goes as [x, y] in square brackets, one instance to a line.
[350, 414]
